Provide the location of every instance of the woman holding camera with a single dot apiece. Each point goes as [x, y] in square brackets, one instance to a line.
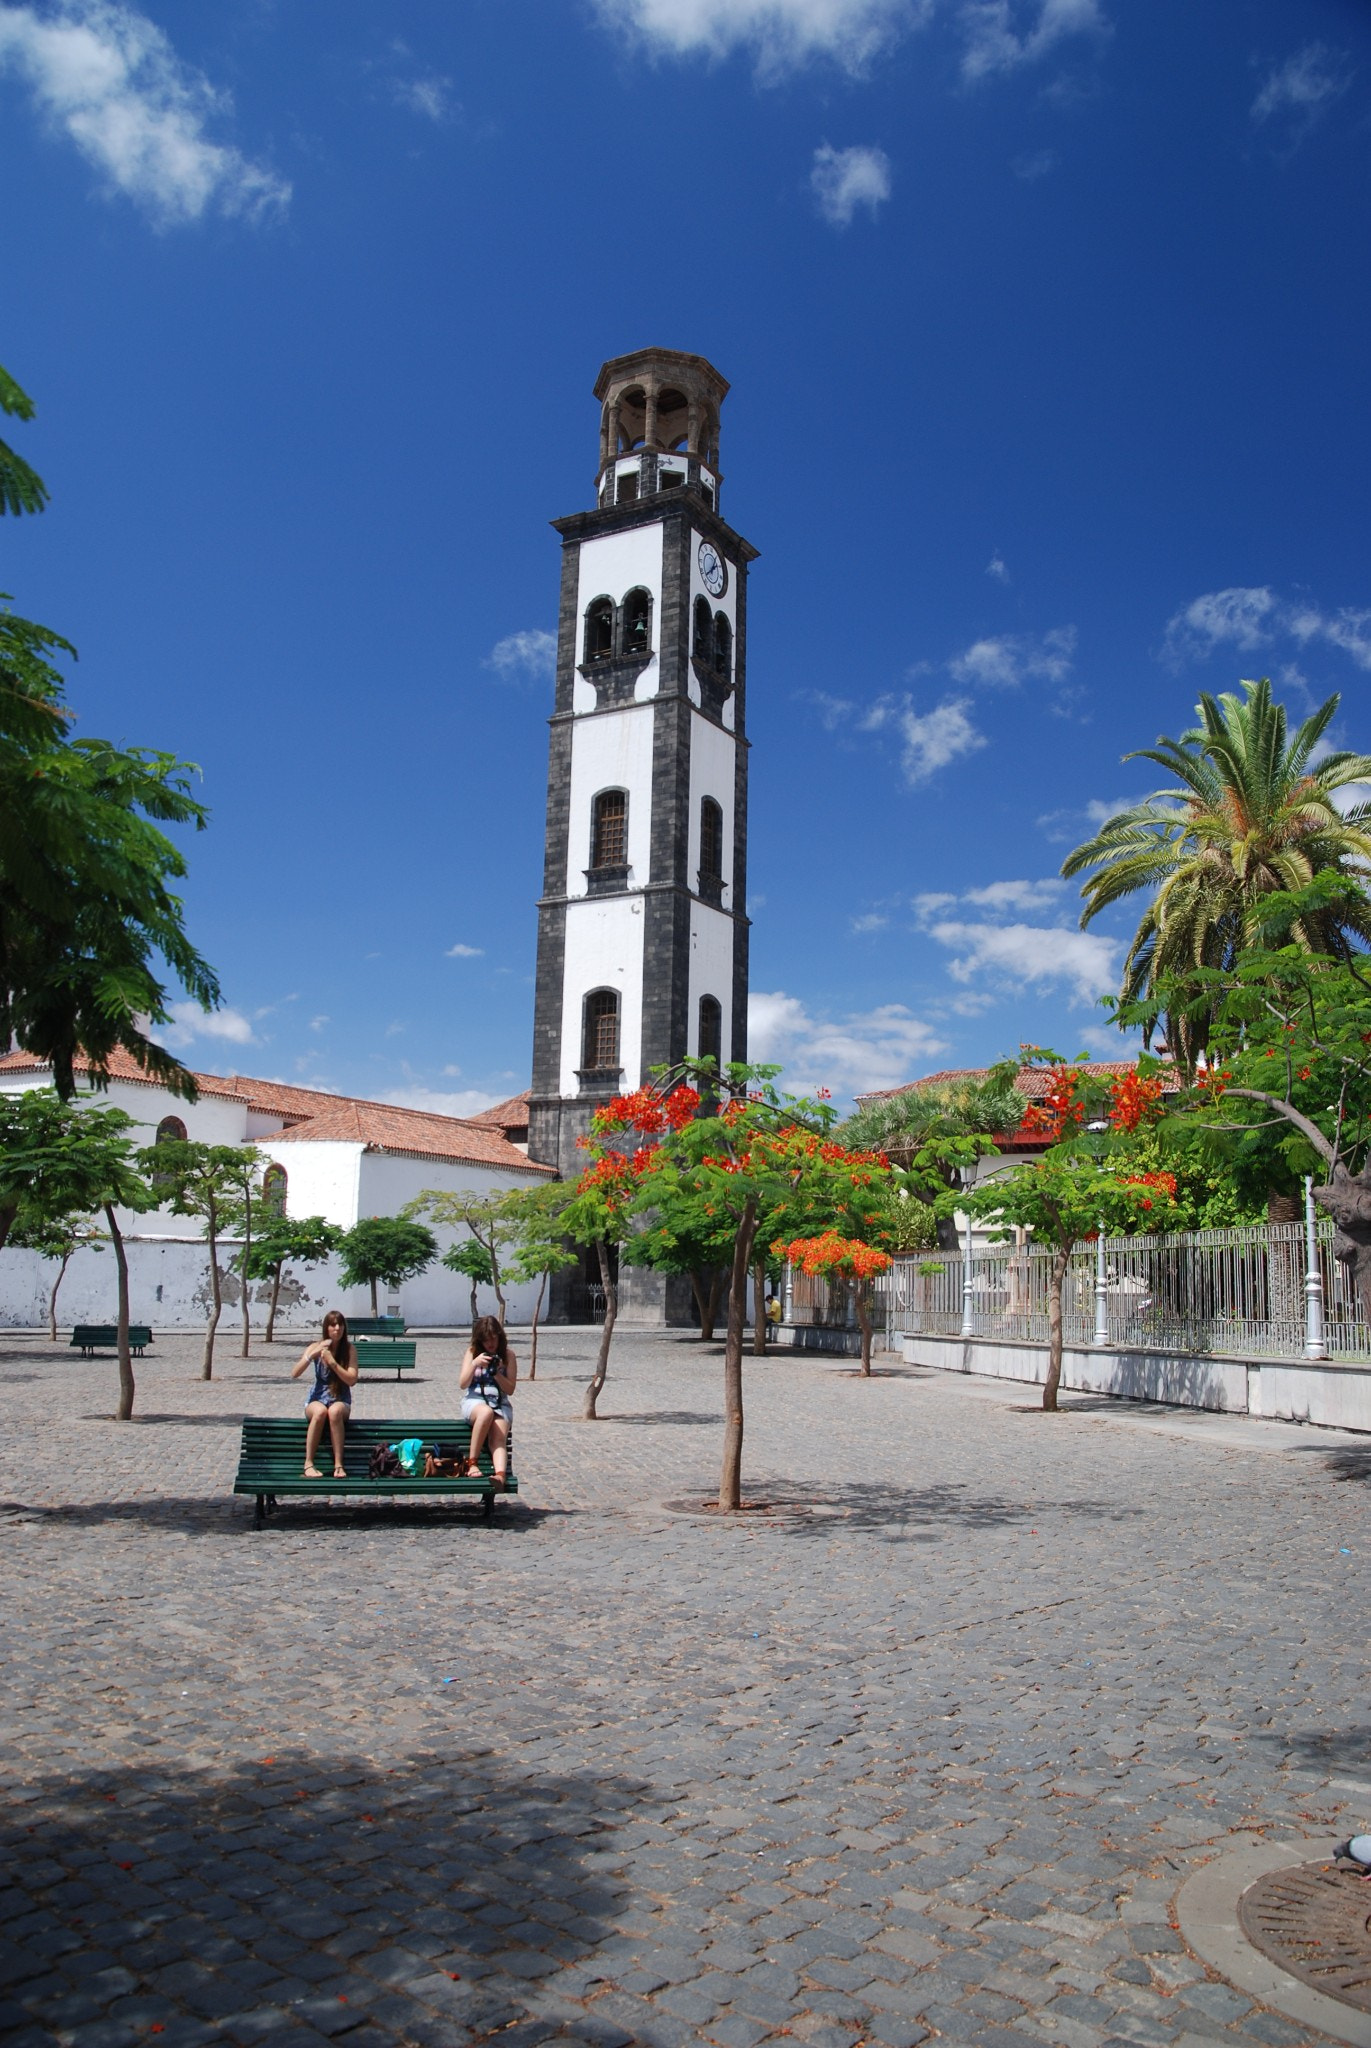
[487, 1379]
[334, 1359]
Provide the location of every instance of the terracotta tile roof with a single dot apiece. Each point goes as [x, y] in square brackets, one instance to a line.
[509, 1115]
[121, 1068]
[308, 1113]
[385, 1128]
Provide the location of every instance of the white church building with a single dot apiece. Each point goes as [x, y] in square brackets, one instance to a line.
[335, 1156]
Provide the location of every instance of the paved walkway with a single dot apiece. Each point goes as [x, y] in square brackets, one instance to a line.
[925, 1750]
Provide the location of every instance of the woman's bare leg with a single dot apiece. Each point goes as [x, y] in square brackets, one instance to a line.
[338, 1412]
[480, 1428]
[318, 1415]
[499, 1445]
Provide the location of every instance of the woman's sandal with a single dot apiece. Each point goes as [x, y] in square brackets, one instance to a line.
[473, 1470]
[312, 1472]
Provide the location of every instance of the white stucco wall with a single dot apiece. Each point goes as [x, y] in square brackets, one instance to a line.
[711, 973]
[713, 761]
[604, 949]
[322, 1178]
[611, 750]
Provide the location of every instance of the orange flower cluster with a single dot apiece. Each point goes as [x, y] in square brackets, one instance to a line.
[1134, 1101]
[1165, 1183]
[833, 1254]
[647, 1111]
[1060, 1110]
[1215, 1080]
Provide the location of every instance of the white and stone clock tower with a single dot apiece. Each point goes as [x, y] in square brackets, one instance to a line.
[642, 925]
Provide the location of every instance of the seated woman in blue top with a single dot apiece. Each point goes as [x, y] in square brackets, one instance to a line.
[487, 1379]
[334, 1359]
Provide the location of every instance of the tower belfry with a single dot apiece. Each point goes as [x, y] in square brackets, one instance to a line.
[642, 925]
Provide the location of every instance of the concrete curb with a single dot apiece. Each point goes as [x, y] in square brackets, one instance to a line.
[1207, 1912]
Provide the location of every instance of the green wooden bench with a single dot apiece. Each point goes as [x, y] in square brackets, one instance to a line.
[92, 1337]
[376, 1326]
[271, 1461]
[385, 1354]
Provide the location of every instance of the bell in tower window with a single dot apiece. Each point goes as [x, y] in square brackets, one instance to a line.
[600, 630]
[637, 622]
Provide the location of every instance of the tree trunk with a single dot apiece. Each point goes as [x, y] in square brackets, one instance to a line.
[373, 1295]
[731, 1474]
[475, 1309]
[1348, 1201]
[759, 1308]
[499, 1290]
[275, 1297]
[533, 1333]
[611, 1311]
[52, 1298]
[1061, 1259]
[864, 1319]
[126, 1389]
[216, 1300]
[246, 1351]
[7, 1216]
[706, 1301]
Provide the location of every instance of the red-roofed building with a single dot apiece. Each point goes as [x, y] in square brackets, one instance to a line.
[337, 1156]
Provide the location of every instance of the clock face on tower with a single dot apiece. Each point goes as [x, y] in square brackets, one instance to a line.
[713, 569]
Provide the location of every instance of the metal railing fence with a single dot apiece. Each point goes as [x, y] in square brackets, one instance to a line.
[1239, 1292]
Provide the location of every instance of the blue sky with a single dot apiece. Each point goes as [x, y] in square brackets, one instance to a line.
[1046, 323]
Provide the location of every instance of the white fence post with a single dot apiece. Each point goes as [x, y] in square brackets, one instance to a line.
[1315, 1342]
[1101, 1293]
[967, 1330]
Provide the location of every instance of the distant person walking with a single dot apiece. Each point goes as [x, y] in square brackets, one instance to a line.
[334, 1359]
[488, 1376]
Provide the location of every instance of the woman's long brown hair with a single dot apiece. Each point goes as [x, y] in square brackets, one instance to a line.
[341, 1347]
[488, 1335]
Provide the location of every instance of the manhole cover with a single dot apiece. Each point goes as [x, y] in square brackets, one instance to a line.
[1313, 1920]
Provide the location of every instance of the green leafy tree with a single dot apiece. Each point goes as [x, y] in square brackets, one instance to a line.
[492, 1229]
[283, 1241]
[89, 921]
[194, 1179]
[598, 1216]
[62, 1159]
[682, 1235]
[389, 1248]
[541, 1248]
[59, 1238]
[473, 1260]
[21, 488]
[1251, 814]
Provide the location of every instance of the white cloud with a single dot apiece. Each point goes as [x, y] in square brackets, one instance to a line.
[461, 952]
[844, 179]
[1033, 164]
[866, 1049]
[995, 41]
[1020, 896]
[520, 655]
[870, 921]
[1017, 953]
[109, 77]
[430, 96]
[929, 739]
[1303, 87]
[1008, 659]
[1256, 617]
[189, 1021]
[995, 567]
[779, 33]
[441, 1101]
[318, 1023]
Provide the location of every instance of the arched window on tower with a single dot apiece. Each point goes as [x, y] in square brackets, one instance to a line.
[711, 1030]
[702, 645]
[609, 830]
[600, 1040]
[274, 1190]
[600, 629]
[723, 644]
[711, 849]
[638, 622]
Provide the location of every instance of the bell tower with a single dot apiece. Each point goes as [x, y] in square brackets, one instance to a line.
[642, 924]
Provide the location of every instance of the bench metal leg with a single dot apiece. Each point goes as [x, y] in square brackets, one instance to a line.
[259, 1519]
[487, 1506]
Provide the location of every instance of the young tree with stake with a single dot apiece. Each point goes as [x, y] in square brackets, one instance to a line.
[389, 1248]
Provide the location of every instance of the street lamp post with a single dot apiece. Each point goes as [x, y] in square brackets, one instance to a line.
[1315, 1342]
[1101, 1293]
[967, 1330]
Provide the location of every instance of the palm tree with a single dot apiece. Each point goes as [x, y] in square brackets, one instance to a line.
[1255, 814]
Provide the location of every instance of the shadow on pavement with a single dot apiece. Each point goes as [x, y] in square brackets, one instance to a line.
[233, 1515]
[900, 1514]
[1330, 1749]
[422, 1899]
[677, 1417]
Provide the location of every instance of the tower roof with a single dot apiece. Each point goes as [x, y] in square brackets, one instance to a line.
[620, 369]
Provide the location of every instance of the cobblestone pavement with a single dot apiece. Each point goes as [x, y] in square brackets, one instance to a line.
[922, 1751]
